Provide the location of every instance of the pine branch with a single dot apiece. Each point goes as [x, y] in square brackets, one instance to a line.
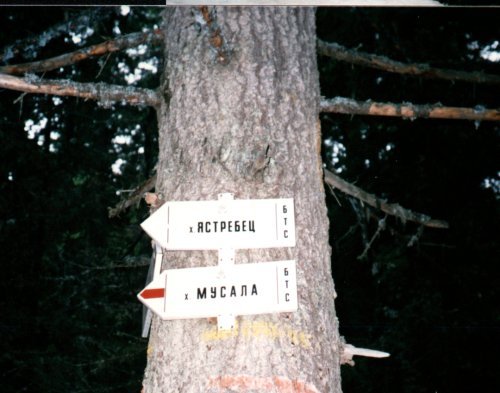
[131, 263]
[383, 63]
[105, 93]
[392, 209]
[380, 228]
[120, 43]
[134, 197]
[406, 110]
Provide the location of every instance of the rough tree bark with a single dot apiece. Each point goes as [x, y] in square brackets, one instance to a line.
[247, 125]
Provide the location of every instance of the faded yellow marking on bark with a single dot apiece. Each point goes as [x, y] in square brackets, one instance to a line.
[258, 329]
[243, 383]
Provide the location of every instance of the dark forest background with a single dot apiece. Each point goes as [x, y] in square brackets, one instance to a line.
[70, 321]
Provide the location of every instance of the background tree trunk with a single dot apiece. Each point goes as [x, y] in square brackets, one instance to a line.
[249, 127]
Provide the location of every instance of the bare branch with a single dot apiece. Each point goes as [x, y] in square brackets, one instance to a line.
[341, 53]
[131, 263]
[347, 351]
[406, 110]
[392, 209]
[380, 228]
[120, 43]
[102, 92]
[134, 198]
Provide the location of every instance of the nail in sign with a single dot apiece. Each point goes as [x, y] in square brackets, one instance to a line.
[212, 225]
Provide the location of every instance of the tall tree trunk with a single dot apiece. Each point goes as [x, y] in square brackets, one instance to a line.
[247, 124]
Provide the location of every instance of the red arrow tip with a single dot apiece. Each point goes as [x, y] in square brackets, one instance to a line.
[152, 293]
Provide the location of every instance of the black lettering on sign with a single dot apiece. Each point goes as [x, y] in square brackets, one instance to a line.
[186, 296]
[225, 226]
[201, 294]
[222, 291]
[287, 297]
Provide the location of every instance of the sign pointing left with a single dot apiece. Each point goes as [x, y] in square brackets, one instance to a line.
[223, 223]
[243, 289]
[226, 290]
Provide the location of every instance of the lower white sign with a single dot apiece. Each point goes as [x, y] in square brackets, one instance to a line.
[251, 288]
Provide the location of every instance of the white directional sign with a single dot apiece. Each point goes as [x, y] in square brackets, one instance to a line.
[223, 223]
[203, 292]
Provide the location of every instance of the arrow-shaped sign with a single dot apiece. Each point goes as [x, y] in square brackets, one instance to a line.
[243, 289]
[223, 223]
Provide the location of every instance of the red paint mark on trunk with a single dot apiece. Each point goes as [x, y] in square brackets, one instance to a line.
[153, 293]
[272, 384]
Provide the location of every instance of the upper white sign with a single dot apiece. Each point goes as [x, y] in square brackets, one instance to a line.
[223, 223]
